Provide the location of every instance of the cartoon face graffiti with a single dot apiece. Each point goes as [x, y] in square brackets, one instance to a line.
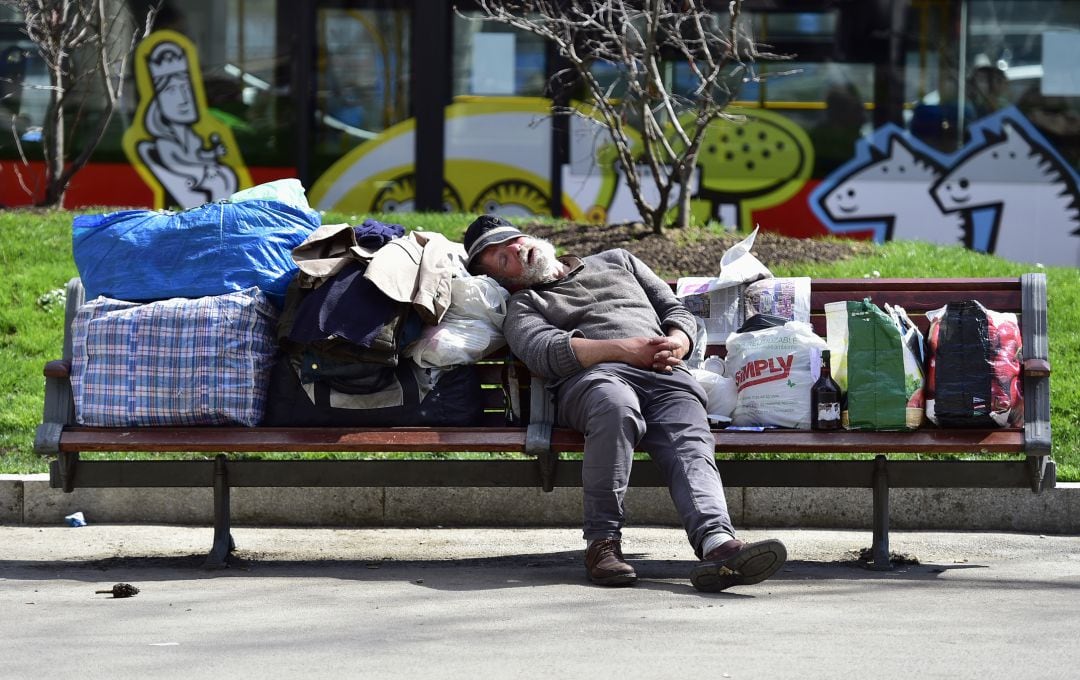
[1007, 158]
[891, 187]
[174, 98]
[1007, 191]
[177, 101]
[1025, 185]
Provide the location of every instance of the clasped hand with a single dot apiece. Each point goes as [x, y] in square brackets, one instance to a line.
[661, 353]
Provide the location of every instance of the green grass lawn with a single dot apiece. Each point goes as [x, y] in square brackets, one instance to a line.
[35, 253]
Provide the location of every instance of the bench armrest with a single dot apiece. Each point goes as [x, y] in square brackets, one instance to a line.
[1038, 368]
[538, 434]
[58, 368]
[1036, 339]
[59, 407]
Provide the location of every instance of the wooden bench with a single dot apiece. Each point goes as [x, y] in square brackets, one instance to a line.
[518, 419]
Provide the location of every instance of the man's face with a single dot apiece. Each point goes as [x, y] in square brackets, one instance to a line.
[522, 262]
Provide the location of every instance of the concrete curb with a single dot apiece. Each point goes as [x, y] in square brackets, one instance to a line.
[28, 500]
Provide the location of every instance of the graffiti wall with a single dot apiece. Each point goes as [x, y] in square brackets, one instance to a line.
[1006, 191]
[498, 161]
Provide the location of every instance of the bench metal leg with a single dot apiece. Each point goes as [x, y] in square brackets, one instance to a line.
[880, 549]
[223, 540]
[66, 463]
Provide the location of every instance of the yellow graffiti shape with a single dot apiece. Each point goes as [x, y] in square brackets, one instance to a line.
[181, 151]
[758, 160]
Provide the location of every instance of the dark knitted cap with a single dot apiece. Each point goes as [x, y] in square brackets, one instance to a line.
[487, 230]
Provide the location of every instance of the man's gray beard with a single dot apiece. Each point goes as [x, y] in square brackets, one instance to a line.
[544, 267]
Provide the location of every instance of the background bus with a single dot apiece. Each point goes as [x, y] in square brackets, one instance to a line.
[383, 106]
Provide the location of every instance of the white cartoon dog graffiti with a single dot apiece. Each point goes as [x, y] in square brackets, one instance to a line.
[893, 189]
[191, 172]
[1035, 196]
[1007, 192]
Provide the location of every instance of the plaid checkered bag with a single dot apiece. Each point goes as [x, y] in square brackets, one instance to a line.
[203, 361]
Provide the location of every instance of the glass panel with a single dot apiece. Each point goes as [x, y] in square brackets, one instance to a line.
[361, 80]
[932, 67]
[1024, 53]
[248, 82]
[24, 93]
[1004, 56]
[778, 26]
[492, 59]
[498, 128]
[236, 42]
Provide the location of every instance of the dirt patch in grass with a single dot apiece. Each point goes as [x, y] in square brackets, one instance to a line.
[691, 252]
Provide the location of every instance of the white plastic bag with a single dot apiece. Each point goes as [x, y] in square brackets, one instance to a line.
[774, 369]
[470, 329]
[288, 190]
[719, 389]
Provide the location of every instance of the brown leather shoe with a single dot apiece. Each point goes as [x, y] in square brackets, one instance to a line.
[605, 565]
[736, 563]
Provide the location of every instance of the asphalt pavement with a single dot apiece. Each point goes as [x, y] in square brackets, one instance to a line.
[508, 603]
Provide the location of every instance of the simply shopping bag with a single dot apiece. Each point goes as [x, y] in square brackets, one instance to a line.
[774, 369]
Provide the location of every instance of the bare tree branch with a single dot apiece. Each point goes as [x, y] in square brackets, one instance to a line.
[87, 58]
[640, 39]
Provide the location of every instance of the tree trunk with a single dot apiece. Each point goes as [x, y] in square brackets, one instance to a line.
[53, 137]
[686, 174]
[682, 216]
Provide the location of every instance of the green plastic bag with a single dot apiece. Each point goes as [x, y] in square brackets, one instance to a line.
[874, 366]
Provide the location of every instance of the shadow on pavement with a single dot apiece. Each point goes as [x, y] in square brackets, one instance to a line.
[509, 571]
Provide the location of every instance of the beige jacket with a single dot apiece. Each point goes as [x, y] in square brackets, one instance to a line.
[416, 269]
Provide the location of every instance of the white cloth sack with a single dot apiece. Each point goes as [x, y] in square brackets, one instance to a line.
[289, 191]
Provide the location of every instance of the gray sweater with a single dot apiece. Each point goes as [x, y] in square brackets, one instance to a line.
[605, 296]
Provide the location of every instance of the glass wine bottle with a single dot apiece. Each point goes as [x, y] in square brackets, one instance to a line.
[825, 398]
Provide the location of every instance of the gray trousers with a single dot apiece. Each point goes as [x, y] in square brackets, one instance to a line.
[621, 409]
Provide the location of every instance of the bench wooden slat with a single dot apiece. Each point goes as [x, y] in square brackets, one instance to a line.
[932, 285]
[293, 439]
[914, 301]
[511, 439]
[802, 441]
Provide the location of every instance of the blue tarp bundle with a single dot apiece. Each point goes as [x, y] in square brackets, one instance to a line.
[217, 248]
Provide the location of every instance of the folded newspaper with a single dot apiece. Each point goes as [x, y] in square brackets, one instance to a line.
[743, 288]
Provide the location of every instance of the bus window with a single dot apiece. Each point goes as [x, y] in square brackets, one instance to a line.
[362, 77]
[24, 91]
[493, 59]
[970, 60]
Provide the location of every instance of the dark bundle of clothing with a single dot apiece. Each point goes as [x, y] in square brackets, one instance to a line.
[974, 374]
[348, 313]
